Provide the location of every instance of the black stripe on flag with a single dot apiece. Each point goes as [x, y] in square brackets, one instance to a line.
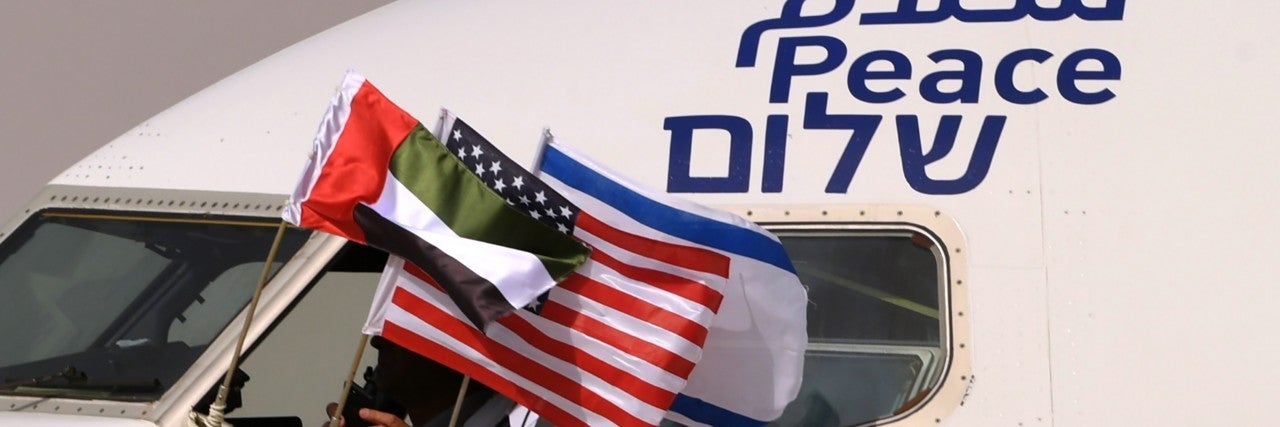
[478, 299]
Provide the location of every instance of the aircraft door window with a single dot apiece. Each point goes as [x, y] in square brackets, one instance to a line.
[876, 325]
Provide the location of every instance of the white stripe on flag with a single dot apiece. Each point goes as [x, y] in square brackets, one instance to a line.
[331, 127]
[591, 382]
[683, 307]
[632, 326]
[642, 369]
[518, 275]
[690, 310]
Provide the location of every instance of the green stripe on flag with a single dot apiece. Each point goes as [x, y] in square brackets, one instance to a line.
[464, 202]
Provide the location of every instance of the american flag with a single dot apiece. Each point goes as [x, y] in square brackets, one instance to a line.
[612, 345]
[521, 189]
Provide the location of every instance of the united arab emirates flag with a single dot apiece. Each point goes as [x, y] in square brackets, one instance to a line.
[378, 177]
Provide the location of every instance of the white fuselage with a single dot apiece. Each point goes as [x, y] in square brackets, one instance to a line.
[1117, 229]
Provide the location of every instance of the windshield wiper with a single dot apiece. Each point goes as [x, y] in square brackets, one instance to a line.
[72, 382]
[71, 375]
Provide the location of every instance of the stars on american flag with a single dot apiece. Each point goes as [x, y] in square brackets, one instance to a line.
[535, 306]
[519, 187]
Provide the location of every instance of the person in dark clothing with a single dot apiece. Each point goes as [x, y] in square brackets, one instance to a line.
[428, 391]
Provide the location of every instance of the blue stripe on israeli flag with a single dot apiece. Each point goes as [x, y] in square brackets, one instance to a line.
[683, 224]
[706, 413]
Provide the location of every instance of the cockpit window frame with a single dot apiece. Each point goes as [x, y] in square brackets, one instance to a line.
[155, 293]
[207, 370]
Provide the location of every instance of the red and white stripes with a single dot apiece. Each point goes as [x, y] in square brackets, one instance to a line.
[613, 344]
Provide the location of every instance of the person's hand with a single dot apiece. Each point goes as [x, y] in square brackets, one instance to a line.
[377, 418]
[329, 410]
[381, 419]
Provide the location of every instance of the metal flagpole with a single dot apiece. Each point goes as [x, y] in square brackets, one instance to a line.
[336, 419]
[219, 406]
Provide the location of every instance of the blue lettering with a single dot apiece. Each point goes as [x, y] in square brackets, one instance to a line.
[749, 44]
[969, 75]
[863, 126]
[961, 14]
[1004, 76]
[785, 66]
[1112, 11]
[944, 85]
[1070, 72]
[914, 160]
[859, 74]
[775, 153]
[736, 179]
[908, 12]
[1065, 9]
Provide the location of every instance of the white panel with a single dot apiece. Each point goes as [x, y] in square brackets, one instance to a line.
[1160, 227]
[1010, 351]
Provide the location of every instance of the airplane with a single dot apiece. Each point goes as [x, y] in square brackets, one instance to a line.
[1006, 213]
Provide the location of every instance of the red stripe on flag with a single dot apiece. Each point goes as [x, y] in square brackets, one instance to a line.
[527, 368]
[635, 307]
[654, 354]
[357, 167]
[642, 390]
[418, 344]
[688, 257]
[690, 290]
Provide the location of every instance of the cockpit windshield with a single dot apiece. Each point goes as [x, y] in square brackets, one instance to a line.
[118, 305]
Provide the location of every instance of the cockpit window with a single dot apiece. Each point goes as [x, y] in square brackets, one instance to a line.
[876, 327]
[117, 306]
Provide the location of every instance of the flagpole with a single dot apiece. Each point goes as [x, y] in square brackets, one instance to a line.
[336, 419]
[541, 150]
[219, 405]
[457, 405]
